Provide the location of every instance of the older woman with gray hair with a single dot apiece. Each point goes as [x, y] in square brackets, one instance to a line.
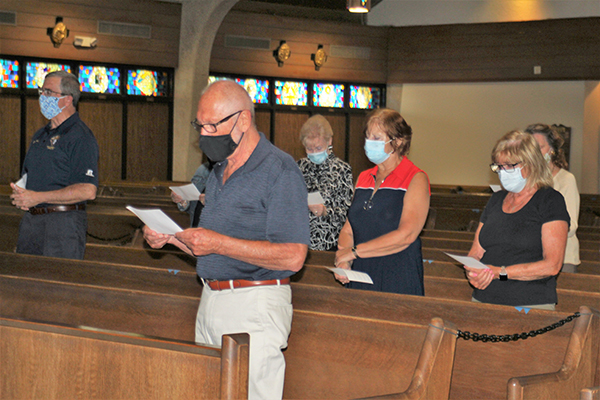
[522, 233]
[331, 177]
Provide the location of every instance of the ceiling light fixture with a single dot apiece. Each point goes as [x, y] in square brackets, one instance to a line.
[358, 6]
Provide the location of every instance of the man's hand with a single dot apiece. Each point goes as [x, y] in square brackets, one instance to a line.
[200, 241]
[155, 240]
[318, 209]
[23, 198]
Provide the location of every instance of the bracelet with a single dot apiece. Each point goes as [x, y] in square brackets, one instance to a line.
[354, 252]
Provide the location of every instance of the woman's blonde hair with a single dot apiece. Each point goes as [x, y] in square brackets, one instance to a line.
[521, 147]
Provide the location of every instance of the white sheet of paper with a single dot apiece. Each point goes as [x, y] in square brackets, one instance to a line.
[22, 183]
[468, 261]
[156, 220]
[355, 276]
[186, 192]
[315, 198]
[496, 188]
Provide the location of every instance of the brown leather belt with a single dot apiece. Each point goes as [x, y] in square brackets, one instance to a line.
[61, 208]
[242, 283]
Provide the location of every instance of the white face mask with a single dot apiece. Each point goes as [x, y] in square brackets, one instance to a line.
[512, 181]
[548, 157]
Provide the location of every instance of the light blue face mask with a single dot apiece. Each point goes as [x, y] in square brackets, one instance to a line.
[49, 106]
[318, 158]
[375, 151]
[512, 181]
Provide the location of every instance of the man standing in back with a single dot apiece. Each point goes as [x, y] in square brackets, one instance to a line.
[61, 168]
[253, 235]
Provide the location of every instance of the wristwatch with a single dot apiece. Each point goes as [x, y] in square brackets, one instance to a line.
[503, 275]
[354, 252]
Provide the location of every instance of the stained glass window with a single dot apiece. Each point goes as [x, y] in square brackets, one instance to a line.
[328, 95]
[291, 93]
[257, 89]
[364, 97]
[9, 73]
[99, 79]
[37, 71]
[143, 82]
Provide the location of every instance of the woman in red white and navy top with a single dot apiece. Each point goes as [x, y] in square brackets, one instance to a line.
[388, 211]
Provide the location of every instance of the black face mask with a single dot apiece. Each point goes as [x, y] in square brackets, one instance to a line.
[218, 148]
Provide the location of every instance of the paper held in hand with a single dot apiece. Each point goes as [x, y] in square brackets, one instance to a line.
[156, 220]
[186, 192]
[468, 261]
[315, 198]
[22, 183]
[355, 276]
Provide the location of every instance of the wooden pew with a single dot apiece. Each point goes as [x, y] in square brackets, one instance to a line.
[42, 360]
[380, 345]
[173, 316]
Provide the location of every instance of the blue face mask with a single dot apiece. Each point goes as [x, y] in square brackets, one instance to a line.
[318, 158]
[375, 151]
[512, 181]
[49, 106]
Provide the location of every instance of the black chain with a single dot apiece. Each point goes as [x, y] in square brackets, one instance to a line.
[476, 337]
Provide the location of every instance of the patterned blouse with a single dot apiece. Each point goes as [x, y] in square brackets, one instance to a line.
[333, 179]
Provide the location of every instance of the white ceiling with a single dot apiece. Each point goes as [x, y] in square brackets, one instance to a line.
[436, 12]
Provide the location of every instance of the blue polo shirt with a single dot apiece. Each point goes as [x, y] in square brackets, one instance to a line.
[265, 199]
[61, 157]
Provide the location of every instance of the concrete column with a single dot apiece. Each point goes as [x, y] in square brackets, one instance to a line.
[200, 21]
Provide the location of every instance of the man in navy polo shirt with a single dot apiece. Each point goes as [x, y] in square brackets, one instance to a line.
[61, 168]
[253, 235]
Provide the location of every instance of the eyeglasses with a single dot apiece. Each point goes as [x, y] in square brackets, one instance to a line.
[503, 167]
[48, 92]
[212, 128]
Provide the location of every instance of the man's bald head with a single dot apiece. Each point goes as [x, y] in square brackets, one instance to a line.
[226, 97]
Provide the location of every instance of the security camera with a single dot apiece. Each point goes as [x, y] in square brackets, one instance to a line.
[85, 42]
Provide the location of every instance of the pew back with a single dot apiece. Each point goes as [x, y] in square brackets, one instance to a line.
[42, 360]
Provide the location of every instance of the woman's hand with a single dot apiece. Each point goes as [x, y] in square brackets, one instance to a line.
[318, 209]
[343, 279]
[479, 278]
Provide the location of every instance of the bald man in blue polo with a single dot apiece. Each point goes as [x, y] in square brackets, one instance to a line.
[253, 235]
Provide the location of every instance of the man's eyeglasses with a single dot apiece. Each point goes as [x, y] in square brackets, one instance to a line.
[503, 167]
[212, 128]
[48, 92]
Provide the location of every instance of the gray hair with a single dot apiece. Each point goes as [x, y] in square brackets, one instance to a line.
[316, 126]
[69, 84]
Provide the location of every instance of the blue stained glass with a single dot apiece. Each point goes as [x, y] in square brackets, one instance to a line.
[257, 89]
[37, 71]
[9, 73]
[143, 82]
[99, 79]
[291, 93]
[328, 95]
[364, 97]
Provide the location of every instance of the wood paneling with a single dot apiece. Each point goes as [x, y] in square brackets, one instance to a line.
[357, 158]
[105, 119]
[263, 122]
[564, 48]
[287, 128]
[29, 38]
[338, 126]
[35, 119]
[10, 134]
[147, 142]
[303, 39]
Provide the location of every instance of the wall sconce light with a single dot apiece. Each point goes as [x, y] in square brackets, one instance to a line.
[58, 33]
[85, 42]
[282, 53]
[319, 58]
[358, 6]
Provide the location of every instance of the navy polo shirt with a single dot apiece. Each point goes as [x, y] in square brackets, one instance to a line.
[61, 157]
[265, 199]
